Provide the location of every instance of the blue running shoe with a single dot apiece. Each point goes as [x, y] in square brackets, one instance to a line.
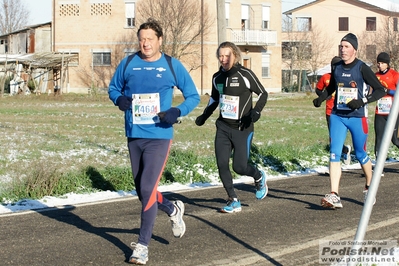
[232, 206]
[261, 186]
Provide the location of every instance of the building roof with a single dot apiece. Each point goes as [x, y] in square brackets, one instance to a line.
[27, 28]
[39, 60]
[383, 5]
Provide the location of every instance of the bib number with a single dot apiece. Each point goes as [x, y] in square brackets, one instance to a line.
[145, 108]
[229, 106]
[345, 95]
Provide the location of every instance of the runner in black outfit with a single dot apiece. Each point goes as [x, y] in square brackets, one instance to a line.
[232, 88]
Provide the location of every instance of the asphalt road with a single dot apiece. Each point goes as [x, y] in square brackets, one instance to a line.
[282, 229]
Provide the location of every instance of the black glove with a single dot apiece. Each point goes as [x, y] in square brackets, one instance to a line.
[245, 121]
[123, 103]
[255, 115]
[355, 104]
[169, 116]
[317, 102]
[199, 121]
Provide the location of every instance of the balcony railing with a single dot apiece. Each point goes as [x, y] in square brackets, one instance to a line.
[252, 37]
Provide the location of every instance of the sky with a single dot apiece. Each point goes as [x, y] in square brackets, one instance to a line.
[41, 10]
[291, 4]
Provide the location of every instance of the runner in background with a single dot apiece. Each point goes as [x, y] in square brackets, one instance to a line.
[389, 79]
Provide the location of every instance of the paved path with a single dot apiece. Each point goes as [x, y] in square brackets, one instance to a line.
[283, 229]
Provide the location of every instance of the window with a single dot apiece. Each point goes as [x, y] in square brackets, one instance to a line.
[244, 17]
[287, 50]
[343, 24]
[129, 13]
[129, 52]
[371, 24]
[304, 24]
[395, 24]
[227, 10]
[265, 64]
[265, 17]
[101, 58]
[371, 52]
[74, 60]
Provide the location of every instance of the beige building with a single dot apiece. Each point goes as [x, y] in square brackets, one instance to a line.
[101, 32]
[314, 30]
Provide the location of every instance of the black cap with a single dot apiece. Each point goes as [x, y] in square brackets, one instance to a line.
[384, 58]
[351, 38]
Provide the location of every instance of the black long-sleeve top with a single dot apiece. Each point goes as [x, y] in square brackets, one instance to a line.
[238, 81]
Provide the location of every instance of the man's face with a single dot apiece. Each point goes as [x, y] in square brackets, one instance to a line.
[348, 53]
[382, 66]
[226, 58]
[149, 44]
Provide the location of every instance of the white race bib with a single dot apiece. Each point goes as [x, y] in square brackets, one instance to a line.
[345, 95]
[229, 106]
[384, 105]
[145, 108]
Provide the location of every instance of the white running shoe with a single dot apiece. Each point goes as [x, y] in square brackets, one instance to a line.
[178, 225]
[331, 201]
[139, 255]
[365, 193]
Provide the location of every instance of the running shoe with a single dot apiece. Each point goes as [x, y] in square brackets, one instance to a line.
[139, 255]
[232, 206]
[178, 225]
[331, 201]
[346, 156]
[365, 193]
[261, 186]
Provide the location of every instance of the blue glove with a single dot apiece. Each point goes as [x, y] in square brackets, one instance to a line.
[169, 116]
[123, 103]
[390, 92]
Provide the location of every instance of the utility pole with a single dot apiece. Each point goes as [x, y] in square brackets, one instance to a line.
[202, 47]
[221, 20]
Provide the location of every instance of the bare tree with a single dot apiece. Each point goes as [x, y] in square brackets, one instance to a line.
[183, 23]
[371, 43]
[322, 43]
[182, 29]
[296, 53]
[13, 16]
[96, 77]
[303, 49]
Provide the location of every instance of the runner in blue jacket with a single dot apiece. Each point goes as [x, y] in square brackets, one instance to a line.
[143, 90]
